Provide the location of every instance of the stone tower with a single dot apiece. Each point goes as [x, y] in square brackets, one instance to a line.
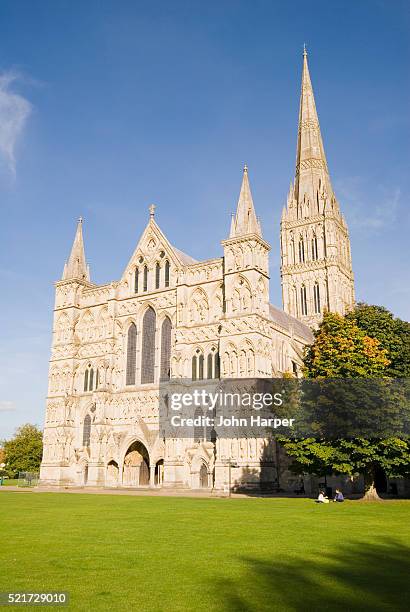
[246, 291]
[316, 265]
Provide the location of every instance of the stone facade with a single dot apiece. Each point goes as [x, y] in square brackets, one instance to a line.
[170, 316]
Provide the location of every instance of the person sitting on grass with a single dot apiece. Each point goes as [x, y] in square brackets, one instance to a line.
[339, 496]
[322, 499]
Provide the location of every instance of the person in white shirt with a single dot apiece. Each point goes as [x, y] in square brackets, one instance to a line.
[322, 499]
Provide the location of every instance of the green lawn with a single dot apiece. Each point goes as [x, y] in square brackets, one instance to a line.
[10, 482]
[167, 554]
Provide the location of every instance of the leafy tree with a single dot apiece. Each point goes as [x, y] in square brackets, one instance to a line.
[392, 333]
[342, 349]
[23, 452]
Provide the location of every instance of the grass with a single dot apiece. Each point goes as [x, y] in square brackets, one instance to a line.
[10, 482]
[180, 554]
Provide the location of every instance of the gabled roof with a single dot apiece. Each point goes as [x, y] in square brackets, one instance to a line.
[290, 323]
[186, 259]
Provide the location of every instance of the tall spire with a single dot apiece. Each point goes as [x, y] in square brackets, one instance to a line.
[245, 221]
[76, 266]
[311, 164]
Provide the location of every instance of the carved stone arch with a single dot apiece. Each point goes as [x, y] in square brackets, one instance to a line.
[216, 301]
[142, 309]
[233, 360]
[238, 256]
[242, 298]
[142, 437]
[248, 255]
[167, 313]
[86, 325]
[199, 306]
[200, 457]
[87, 318]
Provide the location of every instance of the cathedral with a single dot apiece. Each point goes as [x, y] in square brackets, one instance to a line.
[171, 317]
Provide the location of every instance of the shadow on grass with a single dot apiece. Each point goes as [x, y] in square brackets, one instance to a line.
[354, 577]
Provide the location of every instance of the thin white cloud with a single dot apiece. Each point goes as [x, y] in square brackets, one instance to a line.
[14, 112]
[6, 406]
[381, 212]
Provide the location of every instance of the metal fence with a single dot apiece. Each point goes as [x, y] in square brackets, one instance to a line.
[27, 479]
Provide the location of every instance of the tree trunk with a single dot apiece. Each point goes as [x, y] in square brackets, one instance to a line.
[370, 491]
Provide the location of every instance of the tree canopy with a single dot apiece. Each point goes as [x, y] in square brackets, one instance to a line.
[24, 451]
[342, 350]
[364, 344]
[392, 333]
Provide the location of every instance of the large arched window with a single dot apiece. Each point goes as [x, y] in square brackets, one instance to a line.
[303, 300]
[145, 278]
[166, 274]
[316, 297]
[157, 275]
[87, 430]
[166, 330]
[148, 347]
[131, 355]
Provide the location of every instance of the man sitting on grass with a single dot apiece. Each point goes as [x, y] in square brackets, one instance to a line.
[339, 496]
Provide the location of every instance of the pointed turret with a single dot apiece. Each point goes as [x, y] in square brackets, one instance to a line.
[245, 221]
[312, 175]
[76, 266]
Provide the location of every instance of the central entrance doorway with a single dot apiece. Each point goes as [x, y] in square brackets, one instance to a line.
[136, 466]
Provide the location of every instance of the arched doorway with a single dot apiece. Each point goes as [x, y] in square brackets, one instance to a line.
[136, 466]
[159, 472]
[112, 474]
[203, 477]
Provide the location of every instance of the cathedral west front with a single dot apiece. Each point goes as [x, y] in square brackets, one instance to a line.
[170, 317]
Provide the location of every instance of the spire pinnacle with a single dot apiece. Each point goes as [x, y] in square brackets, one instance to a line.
[76, 266]
[311, 164]
[245, 221]
[152, 208]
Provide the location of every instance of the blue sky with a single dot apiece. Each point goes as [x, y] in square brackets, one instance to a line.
[106, 107]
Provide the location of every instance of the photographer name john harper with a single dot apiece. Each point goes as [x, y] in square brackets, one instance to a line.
[232, 421]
